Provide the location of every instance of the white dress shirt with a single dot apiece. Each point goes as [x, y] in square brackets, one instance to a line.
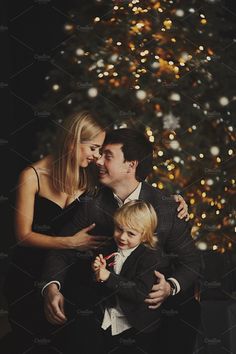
[133, 196]
[114, 316]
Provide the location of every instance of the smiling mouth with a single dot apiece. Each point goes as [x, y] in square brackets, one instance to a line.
[102, 172]
[121, 243]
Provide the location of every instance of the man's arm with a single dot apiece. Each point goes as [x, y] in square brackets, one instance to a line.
[58, 263]
[56, 266]
[181, 247]
[54, 305]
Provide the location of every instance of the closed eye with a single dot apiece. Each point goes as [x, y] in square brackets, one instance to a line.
[131, 234]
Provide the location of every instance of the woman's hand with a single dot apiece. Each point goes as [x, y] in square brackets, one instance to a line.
[99, 267]
[84, 242]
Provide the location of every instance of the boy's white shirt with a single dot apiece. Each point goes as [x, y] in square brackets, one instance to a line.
[114, 316]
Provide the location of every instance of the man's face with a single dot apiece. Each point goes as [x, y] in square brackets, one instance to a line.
[112, 168]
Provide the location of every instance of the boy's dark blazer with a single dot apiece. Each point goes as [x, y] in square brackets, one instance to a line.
[132, 286]
[173, 236]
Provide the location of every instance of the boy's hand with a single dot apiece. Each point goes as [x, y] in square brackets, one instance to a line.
[99, 267]
[99, 262]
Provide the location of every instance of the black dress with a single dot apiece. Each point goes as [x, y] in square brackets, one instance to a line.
[31, 330]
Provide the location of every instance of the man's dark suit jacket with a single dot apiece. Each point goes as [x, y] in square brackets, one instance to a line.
[173, 237]
[132, 286]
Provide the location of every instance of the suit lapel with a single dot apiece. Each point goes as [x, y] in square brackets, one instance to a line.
[161, 203]
[102, 212]
[108, 203]
[130, 261]
[147, 195]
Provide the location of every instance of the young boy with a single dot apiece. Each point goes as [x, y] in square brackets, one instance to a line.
[127, 322]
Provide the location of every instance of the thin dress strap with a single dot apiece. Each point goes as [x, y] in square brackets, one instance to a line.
[37, 176]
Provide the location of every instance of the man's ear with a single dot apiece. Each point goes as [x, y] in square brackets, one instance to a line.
[132, 165]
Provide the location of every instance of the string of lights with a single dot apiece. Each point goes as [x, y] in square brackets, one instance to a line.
[163, 67]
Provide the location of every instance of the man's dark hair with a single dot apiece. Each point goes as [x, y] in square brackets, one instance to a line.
[135, 146]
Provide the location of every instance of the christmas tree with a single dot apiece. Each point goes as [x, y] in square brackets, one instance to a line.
[166, 68]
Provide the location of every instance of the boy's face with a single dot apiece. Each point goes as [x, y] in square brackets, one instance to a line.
[126, 238]
[112, 167]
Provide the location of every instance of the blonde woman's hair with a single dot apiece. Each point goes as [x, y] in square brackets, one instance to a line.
[67, 175]
[141, 217]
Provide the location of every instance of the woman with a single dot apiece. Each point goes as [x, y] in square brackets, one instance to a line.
[48, 190]
[58, 180]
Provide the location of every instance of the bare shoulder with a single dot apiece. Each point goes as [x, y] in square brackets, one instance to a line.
[28, 179]
[27, 173]
[44, 163]
[30, 172]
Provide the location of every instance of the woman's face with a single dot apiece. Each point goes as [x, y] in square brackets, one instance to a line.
[89, 150]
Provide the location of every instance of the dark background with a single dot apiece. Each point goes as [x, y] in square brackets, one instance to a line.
[31, 32]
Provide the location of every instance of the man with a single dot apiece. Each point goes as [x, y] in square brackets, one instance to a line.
[125, 162]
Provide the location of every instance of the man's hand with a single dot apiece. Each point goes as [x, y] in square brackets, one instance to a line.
[182, 208]
[159, 292]
[54, 305]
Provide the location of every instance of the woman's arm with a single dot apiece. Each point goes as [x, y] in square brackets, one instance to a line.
[24, 213]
